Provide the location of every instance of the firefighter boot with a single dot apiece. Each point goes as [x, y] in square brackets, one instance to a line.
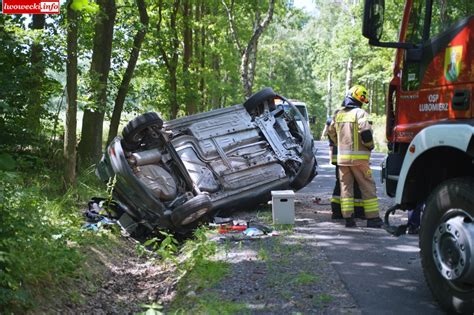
[350, 222]
[375, 223]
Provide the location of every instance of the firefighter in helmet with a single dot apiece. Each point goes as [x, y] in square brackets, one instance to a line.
[351, 132]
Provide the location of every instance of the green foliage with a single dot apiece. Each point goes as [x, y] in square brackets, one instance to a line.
[213, 304]
[152, 309]
[166, 247]
[198, 249]
[7, 163]
[39, 238]
[378, 126]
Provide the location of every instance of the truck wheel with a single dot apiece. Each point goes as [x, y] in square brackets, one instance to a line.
[135, 130]
[191, 210]
[447, 244]
[252, 103]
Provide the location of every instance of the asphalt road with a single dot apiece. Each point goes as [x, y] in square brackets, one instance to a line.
[383, 273]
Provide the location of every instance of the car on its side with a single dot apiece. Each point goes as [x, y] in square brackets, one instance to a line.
[173, 175]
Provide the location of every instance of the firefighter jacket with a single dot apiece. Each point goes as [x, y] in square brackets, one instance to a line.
[352, 132]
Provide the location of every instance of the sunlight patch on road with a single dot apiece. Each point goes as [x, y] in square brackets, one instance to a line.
[404, 248]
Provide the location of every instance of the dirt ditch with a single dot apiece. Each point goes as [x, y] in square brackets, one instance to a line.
[279, 274]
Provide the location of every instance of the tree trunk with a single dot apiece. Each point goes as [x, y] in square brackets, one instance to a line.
[215, 97]
[128, 75]
[189, 100]
[349, 74]
[252, 68]
[376, 98]
[174, 95]
[329, 95]
[90, 147]
[249, 53]
[171, 62]
[37, 68]
[202, 55]
[70, 137]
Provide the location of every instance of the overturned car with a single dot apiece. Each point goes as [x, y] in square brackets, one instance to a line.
[173, 175]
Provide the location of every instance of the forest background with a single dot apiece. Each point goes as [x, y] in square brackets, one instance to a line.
[68, 83]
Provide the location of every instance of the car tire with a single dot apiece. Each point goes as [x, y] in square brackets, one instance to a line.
[258, 98]
[305, 176]
[451, 200]
[133, 132]
[191, 210]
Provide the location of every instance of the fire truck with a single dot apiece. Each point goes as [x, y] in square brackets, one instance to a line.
[430, 133]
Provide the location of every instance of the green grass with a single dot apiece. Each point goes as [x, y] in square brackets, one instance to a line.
[200, 272]
[263, 254]
[211, 304]
[323, 299]
[206, 274]
[40, 238]
[264, 215]
[304, 278]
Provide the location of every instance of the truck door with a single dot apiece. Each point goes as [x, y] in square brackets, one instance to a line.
[437, 76]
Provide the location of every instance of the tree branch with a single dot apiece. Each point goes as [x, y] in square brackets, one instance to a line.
[233, 30]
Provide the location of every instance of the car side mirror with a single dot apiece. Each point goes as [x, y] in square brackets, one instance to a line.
[373, 19]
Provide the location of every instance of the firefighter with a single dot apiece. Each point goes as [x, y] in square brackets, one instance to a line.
[336, 193]
[352, 132]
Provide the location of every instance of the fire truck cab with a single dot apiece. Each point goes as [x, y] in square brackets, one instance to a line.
[430, 131]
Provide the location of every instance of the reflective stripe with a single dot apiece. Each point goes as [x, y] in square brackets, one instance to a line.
[371, 205]
[370, 210]
[353, 152]
[347, 204]
[356, 137]
[357, 202]
[343, 117]
[353, 157]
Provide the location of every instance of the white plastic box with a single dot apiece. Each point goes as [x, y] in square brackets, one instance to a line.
[283, 207]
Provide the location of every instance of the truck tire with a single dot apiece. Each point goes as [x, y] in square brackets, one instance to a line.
[133, 132]
[191, 210]
[252, 103]
[445, 235]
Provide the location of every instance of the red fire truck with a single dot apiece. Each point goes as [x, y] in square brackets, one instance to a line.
[430, 119]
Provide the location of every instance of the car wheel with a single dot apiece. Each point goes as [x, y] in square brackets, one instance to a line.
[305, 176]
[191, 210]
[135, 130]
[252, 103]
[447, 231]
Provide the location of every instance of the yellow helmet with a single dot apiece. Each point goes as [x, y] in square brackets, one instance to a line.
[358, 92]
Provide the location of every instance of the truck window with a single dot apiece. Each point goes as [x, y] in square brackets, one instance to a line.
[410, 73]
[415, 22]
[445, 13]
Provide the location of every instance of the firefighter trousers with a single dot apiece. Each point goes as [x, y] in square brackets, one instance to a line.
[336, 199]
[362, 174]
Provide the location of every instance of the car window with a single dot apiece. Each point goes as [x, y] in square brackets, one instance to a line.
[287, 108]
[303, 111]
